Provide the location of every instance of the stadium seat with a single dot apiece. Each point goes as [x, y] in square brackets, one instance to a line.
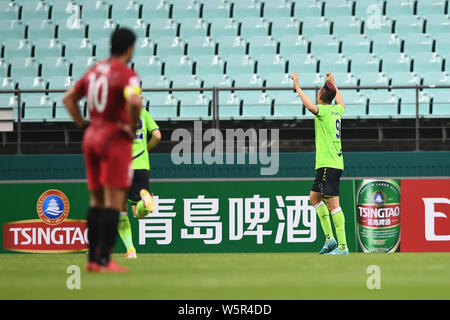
[193, 27]
[24, 67]
[385, 43]
[163, 106]
[367, 8]
[396, 62]
[17, 48]
[185, 9]
[285, 27]
[437, 24]
[4, 67]
[185, 81]
[229, 105]
[201, 46]
[244, 9]
[421, 42]
[427, 61]
[180, 65]
[48, 48]
[66, 30]
[247, 80]
[78, 47]
[311, 79]
[216, 80]
[427, 7]
[332, 61]
[405, 79]
[441, 104]
[31, 83]
[7, 84]
[139, 27]
[38, 29]
[408, 24]
[322, 43]
[162, 28]
[9, 10]
[355, 103]
[101, 28]
[436, 78]
[154, 81]
[343, 8]
[399, 8]
[143, 47]
[54, 66]
[256, 104]
[124, 10]
[383, 104]
[355, 43]
[345, 79]
[381, 25]
[61, 113]
[215, 9]
[364, 62]
[155, 10]
[147, 65]
[240, 64]
[252, 27]
[373, 79]
[301, 62]
[170, 46]
[80, 65]
[194, 106]
[267, 64]
[312, 26]
[91, 10]
[278, 80]
[221, 27]
[277, 9]
[64, 10]
[442, 43]
[37, 107]
[209, 65]
[293, 44]
[262, 45]
[346, 25]
[35, 10]
[231, 45]
[408, 104]
[305, 8]
[12, 29]
[60, 83]
[287, 105]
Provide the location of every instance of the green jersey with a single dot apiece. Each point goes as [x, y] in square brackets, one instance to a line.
[328, 137]
[140, 152]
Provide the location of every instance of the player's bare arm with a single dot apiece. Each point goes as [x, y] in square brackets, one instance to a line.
[70, 100]
[154, 140]
[339, 98]
[133, 107]
[305, 99]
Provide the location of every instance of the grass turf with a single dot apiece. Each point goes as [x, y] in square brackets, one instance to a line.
[231, 276]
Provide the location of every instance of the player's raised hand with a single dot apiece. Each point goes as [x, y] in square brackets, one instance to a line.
[295, 78]
[330, 77]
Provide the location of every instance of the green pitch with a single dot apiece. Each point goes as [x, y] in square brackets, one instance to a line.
[231, 276]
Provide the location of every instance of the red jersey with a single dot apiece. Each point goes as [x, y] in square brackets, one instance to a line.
[106, 148]
[104, 86]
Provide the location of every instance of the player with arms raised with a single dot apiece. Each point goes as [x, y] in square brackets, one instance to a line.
[329, 162]
[113, 97]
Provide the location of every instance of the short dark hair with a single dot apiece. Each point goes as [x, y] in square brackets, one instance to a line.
[328, 92]
[121, 40]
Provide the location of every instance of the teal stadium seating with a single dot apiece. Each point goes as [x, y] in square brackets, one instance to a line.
[233, 43]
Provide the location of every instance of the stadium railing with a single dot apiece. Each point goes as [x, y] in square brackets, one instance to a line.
[215, 121]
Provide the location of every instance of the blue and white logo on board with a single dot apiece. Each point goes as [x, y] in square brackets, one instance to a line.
[379, 198]
[53, 207]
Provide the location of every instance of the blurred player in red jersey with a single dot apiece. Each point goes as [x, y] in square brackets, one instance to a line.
[113, 96]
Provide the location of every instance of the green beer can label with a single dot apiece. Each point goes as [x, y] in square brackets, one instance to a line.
[378, 215]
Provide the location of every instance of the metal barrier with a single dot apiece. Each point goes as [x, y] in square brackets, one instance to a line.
[216, 103]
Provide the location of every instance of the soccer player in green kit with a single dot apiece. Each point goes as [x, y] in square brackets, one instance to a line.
[141, 201]
[329, 162]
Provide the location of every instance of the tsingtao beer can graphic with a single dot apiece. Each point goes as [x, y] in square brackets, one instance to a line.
[378, 214]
